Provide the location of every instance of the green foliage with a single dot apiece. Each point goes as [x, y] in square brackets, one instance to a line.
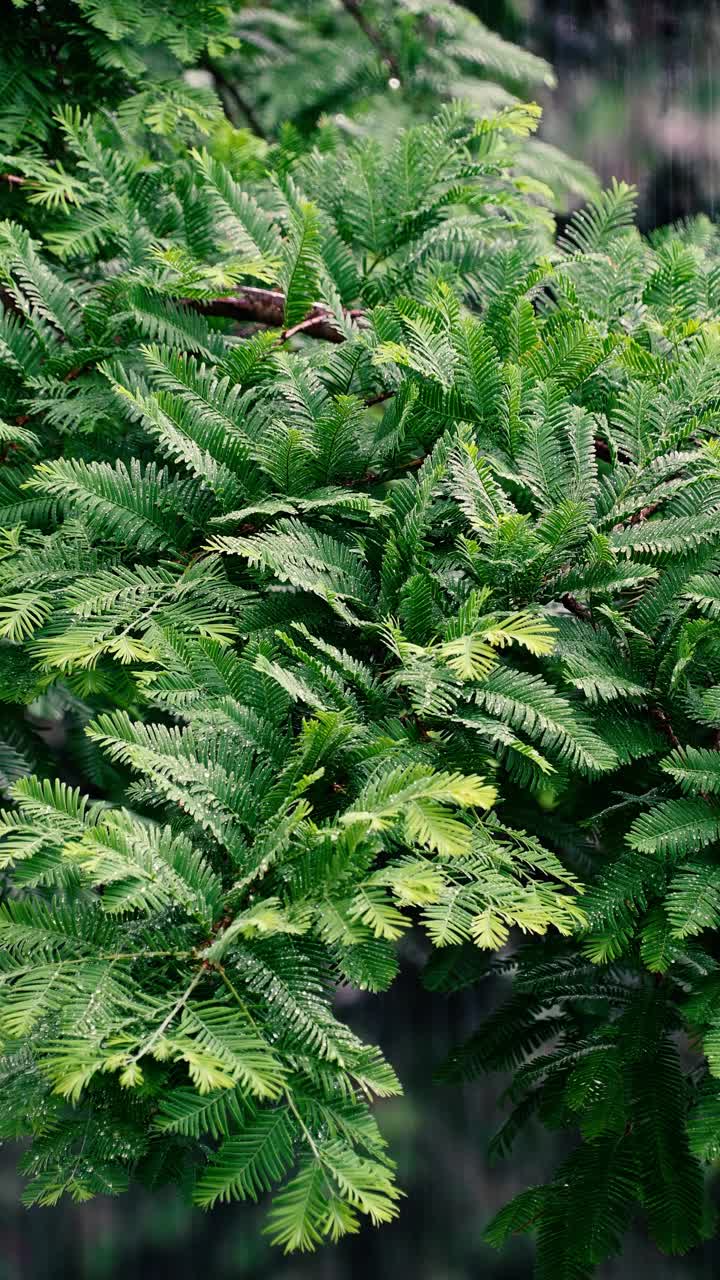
[362, 557]
[201, 503]
[594, 1029]
[103, 51]
[245, 78]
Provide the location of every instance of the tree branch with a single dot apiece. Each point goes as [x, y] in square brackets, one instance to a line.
[661, 719]
[267, 306]
[380, 398]
[230, 93]
[576, 607]
[372, 33]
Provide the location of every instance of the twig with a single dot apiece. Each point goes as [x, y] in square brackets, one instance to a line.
[665, 726]
[261, 306]
[159, 1031]
[373, 34]
[227, 90]
[638, 518]
[311, 323]
[642, 515]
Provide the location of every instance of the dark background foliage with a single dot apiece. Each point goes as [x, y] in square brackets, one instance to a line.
[636, 99]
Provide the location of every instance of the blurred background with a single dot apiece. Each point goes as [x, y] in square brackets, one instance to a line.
[638, 98]
[638, 93]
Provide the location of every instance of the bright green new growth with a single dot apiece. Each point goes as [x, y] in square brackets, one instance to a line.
[368, 551]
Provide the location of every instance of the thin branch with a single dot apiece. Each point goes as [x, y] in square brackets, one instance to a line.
[373, 34]
[379, 399]
[251, 304]
[286, 1092]
[311, 323]
[642, 515]
[663, 723]
[158, 1033]
[230, 93]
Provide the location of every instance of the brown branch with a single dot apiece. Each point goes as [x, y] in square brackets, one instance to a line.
[379, 399]
[267, 306]
[312, 322]
[604, 453]
[664, 725]
[576, 607]
[12, 179]
[262, 306]
[251, 304]
[641, 516]
[638, 518]
[373, 34]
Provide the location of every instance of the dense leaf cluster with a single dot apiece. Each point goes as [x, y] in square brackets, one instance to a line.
[282, 827]
[250, 77]
[359, 572]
